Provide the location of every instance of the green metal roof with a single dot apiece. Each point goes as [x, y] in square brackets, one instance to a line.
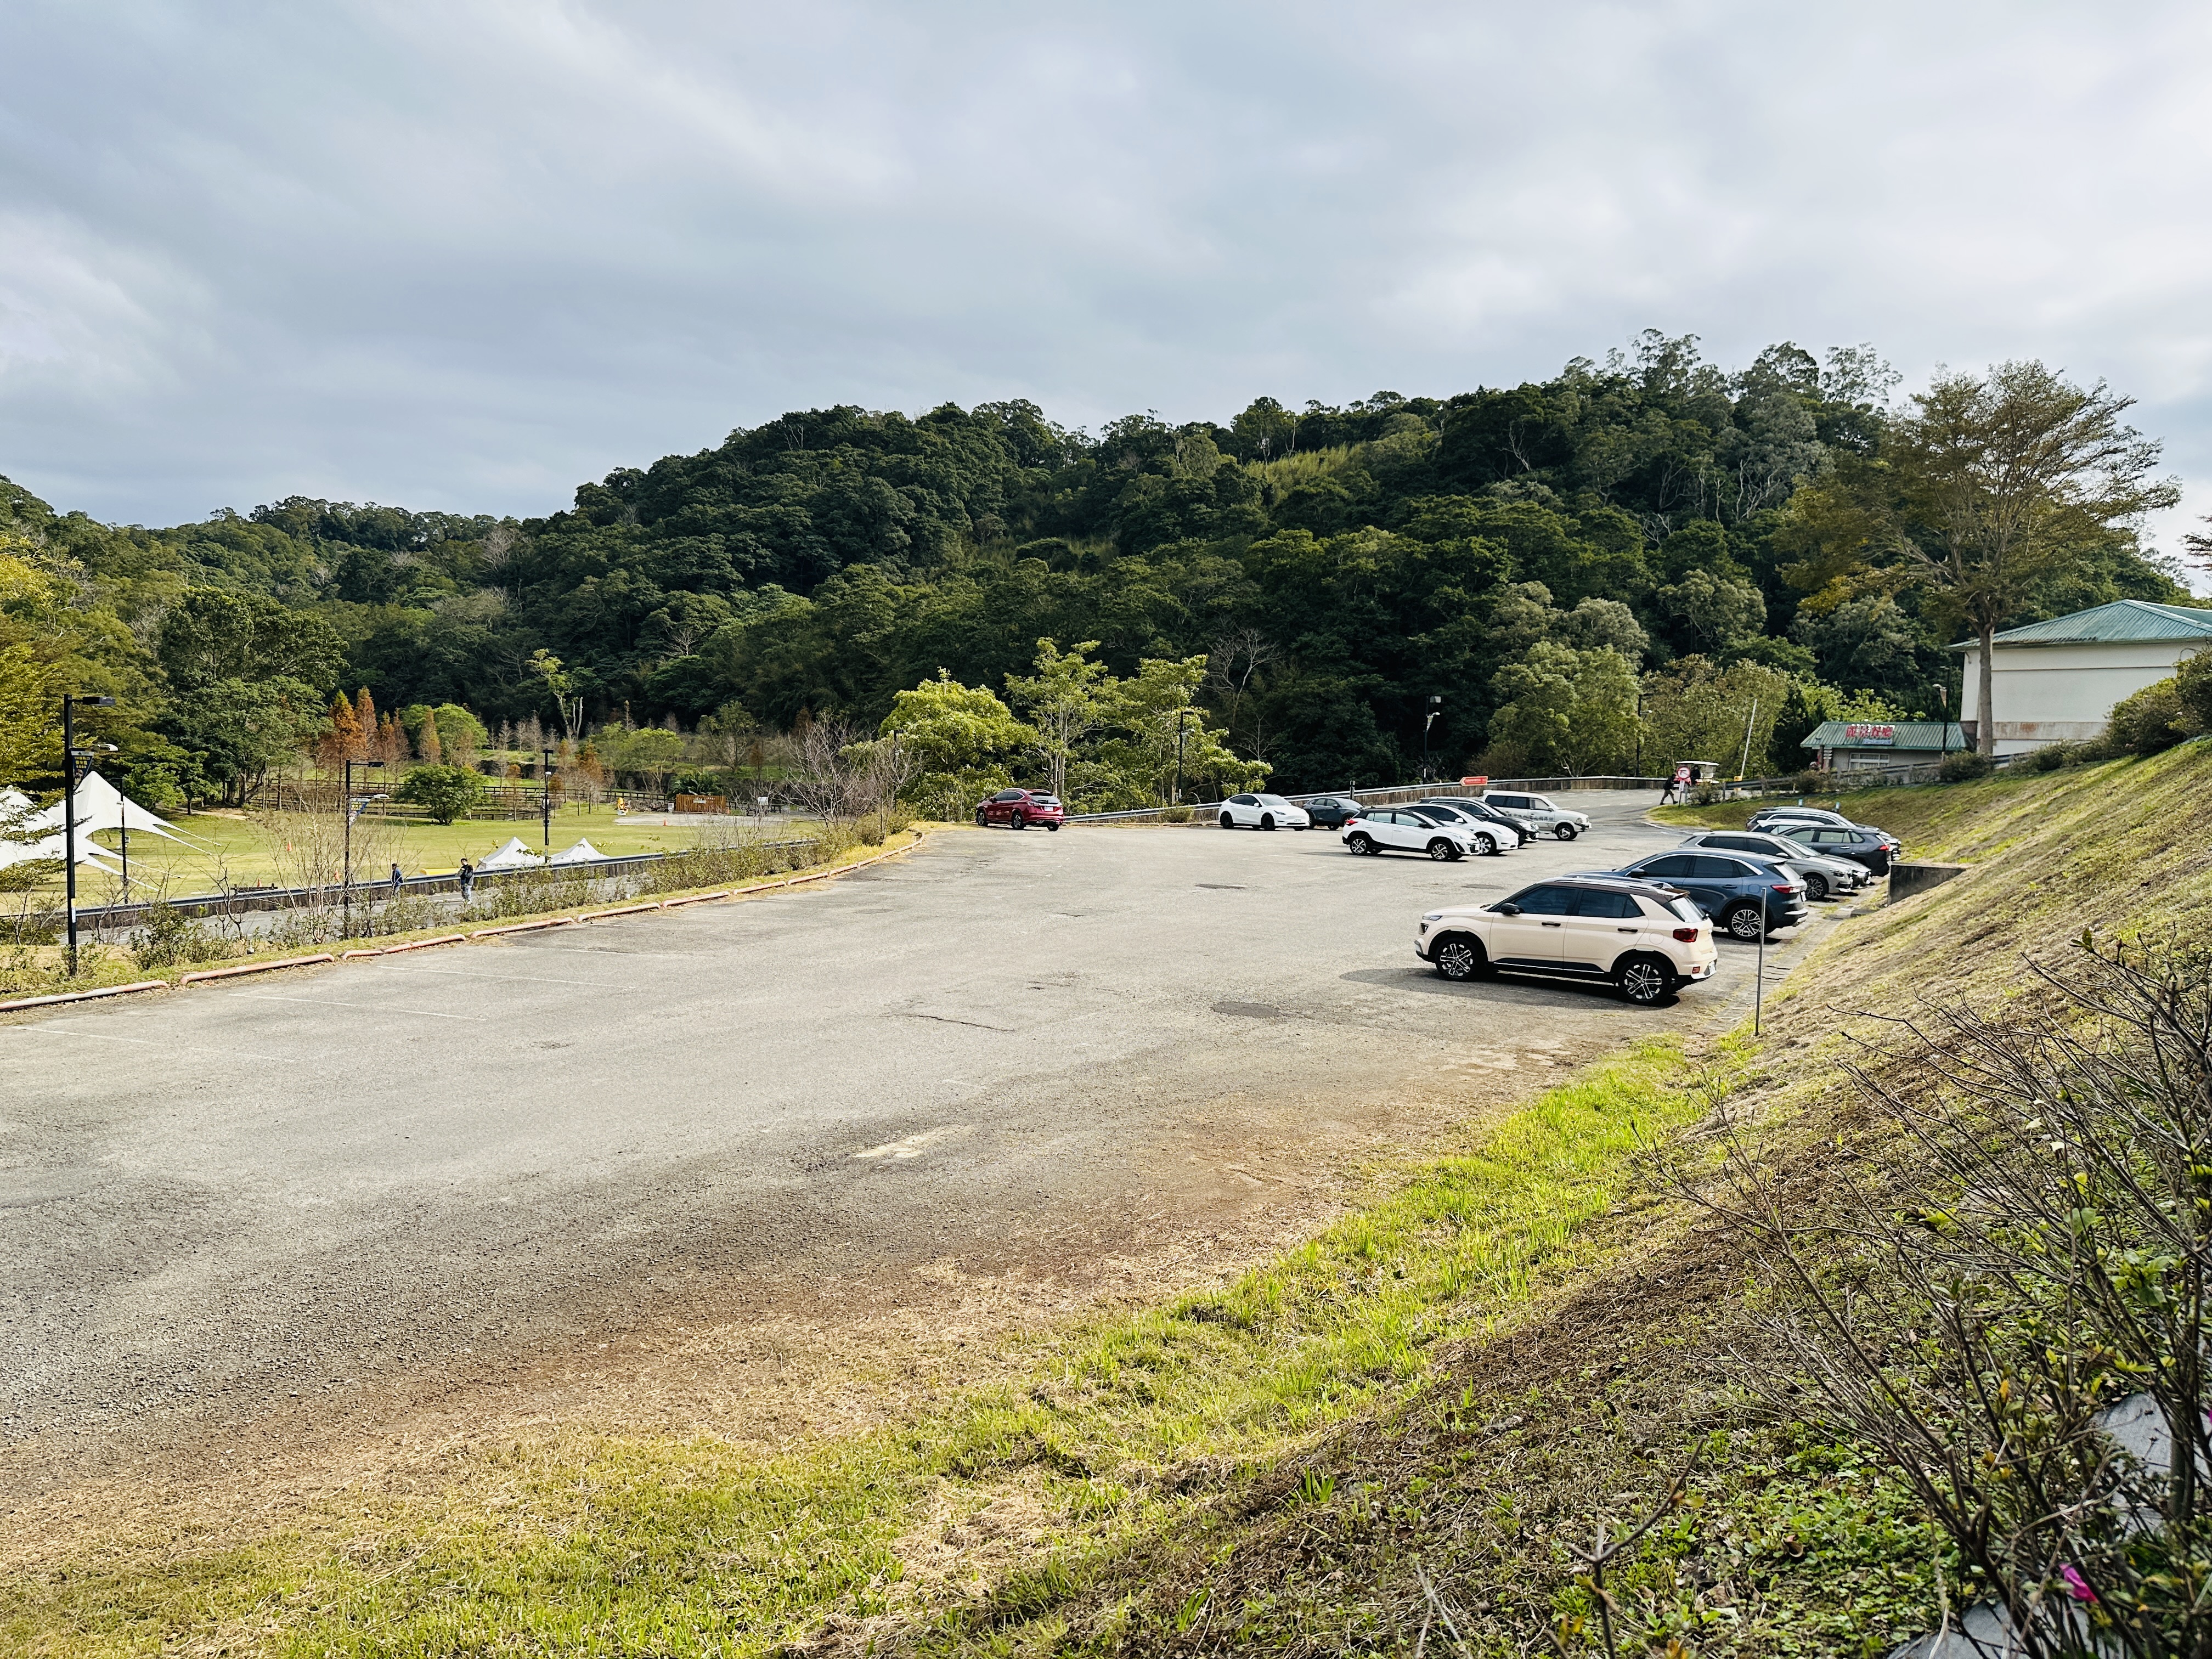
[1931, 736]
[2122, 622]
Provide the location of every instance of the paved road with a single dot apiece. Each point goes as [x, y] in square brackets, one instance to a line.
[211, 1202]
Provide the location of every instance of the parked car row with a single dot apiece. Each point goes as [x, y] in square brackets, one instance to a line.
[1649, 926]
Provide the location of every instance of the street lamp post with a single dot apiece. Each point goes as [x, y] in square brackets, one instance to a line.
[345, 889]
[1182, 727]
[545, 791]
[70, 753]
[1436, 708]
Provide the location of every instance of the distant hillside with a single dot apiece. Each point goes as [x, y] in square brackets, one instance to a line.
[1339, 566]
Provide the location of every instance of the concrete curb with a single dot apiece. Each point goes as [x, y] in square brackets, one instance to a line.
[255, 968]
[50, 1000]
[523, 927]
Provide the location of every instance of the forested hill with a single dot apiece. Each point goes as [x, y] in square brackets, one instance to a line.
[1340, 567]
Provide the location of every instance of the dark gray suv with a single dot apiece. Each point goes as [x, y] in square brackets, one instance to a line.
[1736, 889]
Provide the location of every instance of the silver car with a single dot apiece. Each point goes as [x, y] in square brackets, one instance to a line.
[1824, 877]
[1538, 812]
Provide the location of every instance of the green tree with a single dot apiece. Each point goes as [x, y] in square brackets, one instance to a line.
[1159, 732]
[26, 728]
[1696, 709]
[1573, 711]
[1066, 701]
[235, 730]
[2006, 479]
[448, 792]
[961, 740]
[212, 635]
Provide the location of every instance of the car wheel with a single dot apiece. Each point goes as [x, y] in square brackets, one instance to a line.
[1054, 828]
[1228, 823]
[1644, 979]
[1744, 922]
[1816, 887]
[1443, 851]
[1566, 832]
[982, 819]
[1360, 844]
[1485, 846]
[1266, 820]
[1015, 821]
[1456, 956]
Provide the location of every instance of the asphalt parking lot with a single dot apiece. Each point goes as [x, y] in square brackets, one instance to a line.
[1005, 1042]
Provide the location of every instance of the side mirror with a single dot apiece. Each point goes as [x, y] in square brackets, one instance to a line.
[1507, 909]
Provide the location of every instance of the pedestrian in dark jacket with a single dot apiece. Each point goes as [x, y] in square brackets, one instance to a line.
[468, 881]
[395, 879]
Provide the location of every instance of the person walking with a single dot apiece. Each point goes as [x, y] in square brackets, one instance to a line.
[468, 881]
[396, 879]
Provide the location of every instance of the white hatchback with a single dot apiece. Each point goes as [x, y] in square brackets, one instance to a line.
[1263, 812]
[1387, 829]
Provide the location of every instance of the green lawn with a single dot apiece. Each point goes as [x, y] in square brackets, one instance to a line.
[278, 848]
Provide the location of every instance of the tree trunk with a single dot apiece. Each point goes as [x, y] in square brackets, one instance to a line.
[1985, 731]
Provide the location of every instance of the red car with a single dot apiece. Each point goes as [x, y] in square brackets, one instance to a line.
[1018, 809]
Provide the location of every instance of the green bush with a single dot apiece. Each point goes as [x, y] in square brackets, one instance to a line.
[1965, 766]
[2192, 682]
[448, 792]
[1174, 815]
[169, 939]
[2152, 719]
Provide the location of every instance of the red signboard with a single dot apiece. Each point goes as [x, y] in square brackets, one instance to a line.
[1878, 733]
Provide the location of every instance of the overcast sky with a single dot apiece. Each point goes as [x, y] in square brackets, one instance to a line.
[465, 254]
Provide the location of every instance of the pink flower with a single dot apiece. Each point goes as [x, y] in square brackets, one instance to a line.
[2076, 1585]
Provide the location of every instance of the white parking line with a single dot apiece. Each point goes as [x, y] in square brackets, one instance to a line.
[367, 1008]
[54, 1028]
[531, 979]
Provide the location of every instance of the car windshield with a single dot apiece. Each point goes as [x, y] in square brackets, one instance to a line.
[1046, 801]
[1271, 800]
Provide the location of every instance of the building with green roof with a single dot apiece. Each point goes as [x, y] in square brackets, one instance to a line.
[2056, 681]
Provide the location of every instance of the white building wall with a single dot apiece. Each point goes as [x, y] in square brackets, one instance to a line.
[2048, 694]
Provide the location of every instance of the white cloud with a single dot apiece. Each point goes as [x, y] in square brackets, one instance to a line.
[466, 254]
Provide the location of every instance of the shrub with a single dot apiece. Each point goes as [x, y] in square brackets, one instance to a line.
[2152, 719]
[2052, 756]
[1174, 815]
[1965, 766]
[448, 792]
[169, 939]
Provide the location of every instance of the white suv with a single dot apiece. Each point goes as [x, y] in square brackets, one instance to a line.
[1404, 830]
[1538, 813]
[1646, 939]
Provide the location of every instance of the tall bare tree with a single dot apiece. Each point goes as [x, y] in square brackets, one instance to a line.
[2008, 477]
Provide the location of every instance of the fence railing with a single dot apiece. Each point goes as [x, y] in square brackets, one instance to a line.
[199, 907]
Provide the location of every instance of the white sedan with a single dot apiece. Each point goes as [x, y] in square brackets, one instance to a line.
[1263, 812]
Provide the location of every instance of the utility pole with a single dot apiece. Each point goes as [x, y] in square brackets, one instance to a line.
[69, 806]
[1182, 727]
[345, 885]
[545, 788]
[1436, 708]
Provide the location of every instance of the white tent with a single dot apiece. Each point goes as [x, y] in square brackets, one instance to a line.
[512, 856]
[101, 806]
[14, 801]
[55, 847]
[582, 853]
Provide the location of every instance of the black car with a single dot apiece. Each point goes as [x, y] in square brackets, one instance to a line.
[1734, 889]
[1465, 810]
[1331, 811]
[1861, 843]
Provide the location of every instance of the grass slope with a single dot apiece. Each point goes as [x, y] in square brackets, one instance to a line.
[1398, 1428]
